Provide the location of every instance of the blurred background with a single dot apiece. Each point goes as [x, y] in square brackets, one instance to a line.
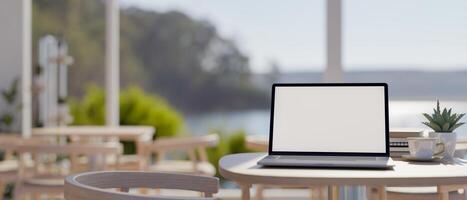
[194, 67]
[203, 66]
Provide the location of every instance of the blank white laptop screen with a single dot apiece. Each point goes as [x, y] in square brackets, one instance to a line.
[329, 119]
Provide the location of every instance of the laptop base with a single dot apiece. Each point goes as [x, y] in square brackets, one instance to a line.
[327, 161]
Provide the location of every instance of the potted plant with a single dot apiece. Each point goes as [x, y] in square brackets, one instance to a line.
[444, 122]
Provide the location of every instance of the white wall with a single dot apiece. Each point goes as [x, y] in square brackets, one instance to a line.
[15, 48]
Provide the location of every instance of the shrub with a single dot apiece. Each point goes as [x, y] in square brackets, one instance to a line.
[91, 109]
[136, 108]
[229, 143]
[139, 108]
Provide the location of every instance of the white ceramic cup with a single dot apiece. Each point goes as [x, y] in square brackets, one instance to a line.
[424, 148]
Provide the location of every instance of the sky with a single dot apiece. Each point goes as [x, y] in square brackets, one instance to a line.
[377, 35]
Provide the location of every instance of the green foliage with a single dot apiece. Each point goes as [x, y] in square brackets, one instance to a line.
[136, 108]
[139, 108]
[185, 60]
[229, 143]
[442, 120]
[91, 109]
[9, 96]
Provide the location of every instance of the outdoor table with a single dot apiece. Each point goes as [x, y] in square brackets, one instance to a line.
[243, 169]
[138, 134]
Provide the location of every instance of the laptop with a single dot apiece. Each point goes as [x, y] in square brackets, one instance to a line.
[329, 125]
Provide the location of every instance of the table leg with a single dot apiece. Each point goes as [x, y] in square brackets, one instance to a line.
[376, 192]
[259, 192]
[443, 193]
[333, 192]
[245, 191]
[382, 192]
[2, 189]
[318, 192]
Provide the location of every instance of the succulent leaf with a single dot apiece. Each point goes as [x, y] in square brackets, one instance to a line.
[444, 114]
[437, 106]
[445, 127]
[455, 126]
[458, 118]
[443, 120]
[436, 127]
[428, 117]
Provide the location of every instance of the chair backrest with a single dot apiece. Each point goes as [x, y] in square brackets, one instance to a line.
[8, 143]
[39, 149]
[188, 144]
[79, 149]
[96, 185]
[256, 143]
[191, 142]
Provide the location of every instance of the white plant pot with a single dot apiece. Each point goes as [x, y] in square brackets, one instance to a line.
[449, 140]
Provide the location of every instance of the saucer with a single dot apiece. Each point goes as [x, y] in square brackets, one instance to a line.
[412, 158]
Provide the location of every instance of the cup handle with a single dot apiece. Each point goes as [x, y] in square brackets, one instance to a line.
[440, 147]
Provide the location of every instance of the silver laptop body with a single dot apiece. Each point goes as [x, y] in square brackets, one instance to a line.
[329, 125]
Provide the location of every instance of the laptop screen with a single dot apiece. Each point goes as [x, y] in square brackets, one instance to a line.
[329, 118]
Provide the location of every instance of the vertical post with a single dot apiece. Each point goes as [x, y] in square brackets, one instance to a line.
[333, 71]
[245, 191]
[112, 62]
[26, 79]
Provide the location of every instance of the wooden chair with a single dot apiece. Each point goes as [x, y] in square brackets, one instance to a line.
[126, 162]
[98, 185]
[257, 143]
[47, 176]
[9, 165]
[194, 147]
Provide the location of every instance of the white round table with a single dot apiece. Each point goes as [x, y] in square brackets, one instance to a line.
[242, 169]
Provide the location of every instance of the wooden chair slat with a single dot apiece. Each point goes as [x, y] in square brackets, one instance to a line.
[95, 185]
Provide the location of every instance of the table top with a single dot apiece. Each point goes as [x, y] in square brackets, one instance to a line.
[242, 168]
[123, 132]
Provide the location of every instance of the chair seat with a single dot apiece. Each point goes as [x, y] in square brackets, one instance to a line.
[126, 162]
[180, 166]
[49, 182]
[8, 165]
[12, 165]
[413, 190]
[42, 186]
[418, 193]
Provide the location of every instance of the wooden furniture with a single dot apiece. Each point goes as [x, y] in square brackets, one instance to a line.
[242, 168]
[193, 146]
[97, 185]
[409, 193]
[257, 143]
[50, 165]
[9, 165]
[141, 135]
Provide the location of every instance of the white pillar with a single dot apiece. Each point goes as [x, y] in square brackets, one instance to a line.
[15, 58]
[112, 62]
[26, 79]
[333, 71]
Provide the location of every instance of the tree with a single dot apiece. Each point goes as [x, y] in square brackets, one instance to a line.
[184, 60]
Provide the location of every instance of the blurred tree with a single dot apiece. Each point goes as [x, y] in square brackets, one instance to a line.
[274, 71]
[136, 108]
[183, 59]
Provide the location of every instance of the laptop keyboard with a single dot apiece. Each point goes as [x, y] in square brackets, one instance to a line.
[330, 158]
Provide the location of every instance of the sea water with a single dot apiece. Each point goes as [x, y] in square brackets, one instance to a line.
[402, 114]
